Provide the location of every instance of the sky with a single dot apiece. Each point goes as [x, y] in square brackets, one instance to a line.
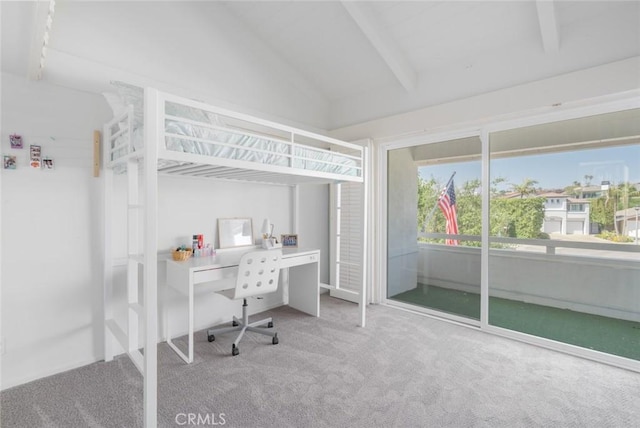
[551, 170]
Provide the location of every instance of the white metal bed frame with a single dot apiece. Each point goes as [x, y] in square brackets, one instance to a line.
[142, 211]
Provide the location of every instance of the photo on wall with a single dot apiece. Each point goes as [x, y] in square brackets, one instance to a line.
[35, 153]
[16, 141]
[9, 162]
[47, 163]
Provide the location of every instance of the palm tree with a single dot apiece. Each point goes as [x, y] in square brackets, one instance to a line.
[526, 188]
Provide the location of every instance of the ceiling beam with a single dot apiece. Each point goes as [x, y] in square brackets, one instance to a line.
[43, 20]
[384, 45]
[548, 25]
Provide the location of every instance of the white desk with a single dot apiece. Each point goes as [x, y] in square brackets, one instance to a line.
[304, 292]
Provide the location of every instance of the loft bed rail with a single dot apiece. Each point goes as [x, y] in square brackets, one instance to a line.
[207, 141]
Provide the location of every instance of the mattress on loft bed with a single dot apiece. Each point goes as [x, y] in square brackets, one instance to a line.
[201, 139]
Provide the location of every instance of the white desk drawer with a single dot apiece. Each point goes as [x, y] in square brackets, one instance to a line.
[214, 274]
[300, 260]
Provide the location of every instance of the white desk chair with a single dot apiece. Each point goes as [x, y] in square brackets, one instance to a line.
[258, 274]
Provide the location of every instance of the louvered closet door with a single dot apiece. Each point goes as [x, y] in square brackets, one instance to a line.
[347, 231]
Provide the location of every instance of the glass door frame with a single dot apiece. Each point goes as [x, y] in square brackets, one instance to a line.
[383, 150]
[556, 113]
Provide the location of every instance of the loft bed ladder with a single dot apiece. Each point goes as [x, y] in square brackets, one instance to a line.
[142, 255]
[127, 337]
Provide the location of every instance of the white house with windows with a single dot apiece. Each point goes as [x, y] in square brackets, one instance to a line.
[562, 214]
[595, 191]
[565, 215]
[628, 222]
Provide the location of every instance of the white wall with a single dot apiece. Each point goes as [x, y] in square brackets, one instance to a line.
[51, 226]
[51, 302]
[256, 81]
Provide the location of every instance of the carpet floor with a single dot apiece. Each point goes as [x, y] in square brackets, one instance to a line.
[402, 370]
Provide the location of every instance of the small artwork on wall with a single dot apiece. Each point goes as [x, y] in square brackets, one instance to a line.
[9, 162]
[16, 141]
[35, 159]
[47, 163]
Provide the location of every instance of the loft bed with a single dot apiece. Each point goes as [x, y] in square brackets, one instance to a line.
[205, 141]
[156, 133]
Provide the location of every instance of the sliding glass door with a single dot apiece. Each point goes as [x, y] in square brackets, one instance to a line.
[434, 225]
[564, 263]
[561, 201]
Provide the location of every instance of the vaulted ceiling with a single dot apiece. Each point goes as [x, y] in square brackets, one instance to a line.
[324, 64]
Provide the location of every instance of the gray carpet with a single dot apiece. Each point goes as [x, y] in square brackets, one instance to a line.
[403, 370]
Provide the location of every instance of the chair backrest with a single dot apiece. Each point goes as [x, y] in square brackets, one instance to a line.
[258, 273]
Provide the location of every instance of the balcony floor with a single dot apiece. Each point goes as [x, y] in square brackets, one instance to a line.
[610, 335]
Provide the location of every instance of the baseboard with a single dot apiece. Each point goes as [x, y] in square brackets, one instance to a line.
[42, 375]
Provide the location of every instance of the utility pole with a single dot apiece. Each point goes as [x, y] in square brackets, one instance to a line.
[637, 210]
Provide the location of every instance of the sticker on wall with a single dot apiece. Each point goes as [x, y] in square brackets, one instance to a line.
[16, 141]
[35, 156]
[47, 163]
[9, 162]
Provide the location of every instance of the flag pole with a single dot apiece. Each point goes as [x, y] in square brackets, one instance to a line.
[428, 218]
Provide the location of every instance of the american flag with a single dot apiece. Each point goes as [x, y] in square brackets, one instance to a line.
[447, 204]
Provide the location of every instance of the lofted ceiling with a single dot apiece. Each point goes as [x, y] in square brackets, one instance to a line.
[323, 64]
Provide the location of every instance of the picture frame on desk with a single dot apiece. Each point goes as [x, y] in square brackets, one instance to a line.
[235, 232]
[289, 241]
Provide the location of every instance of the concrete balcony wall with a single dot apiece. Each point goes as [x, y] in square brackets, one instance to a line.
[591, 285]
[402, 223]
[402, 268]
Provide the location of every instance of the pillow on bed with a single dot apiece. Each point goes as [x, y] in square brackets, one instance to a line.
[128, 94]
[193, 113]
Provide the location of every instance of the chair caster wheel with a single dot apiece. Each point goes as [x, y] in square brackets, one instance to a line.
[275, 339]
[234, 351]
[270, 325]
[234, 323]
[211, 337]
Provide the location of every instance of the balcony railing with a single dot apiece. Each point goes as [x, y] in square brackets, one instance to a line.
[550, 246]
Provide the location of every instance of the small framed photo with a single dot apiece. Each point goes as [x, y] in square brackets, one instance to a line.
[47, 163]
[16, 141]
[35, 160]
[9, 162]
[290, 241]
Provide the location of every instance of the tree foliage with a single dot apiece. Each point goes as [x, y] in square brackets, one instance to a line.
[519, 218]
[526, 188]
[602, 212]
